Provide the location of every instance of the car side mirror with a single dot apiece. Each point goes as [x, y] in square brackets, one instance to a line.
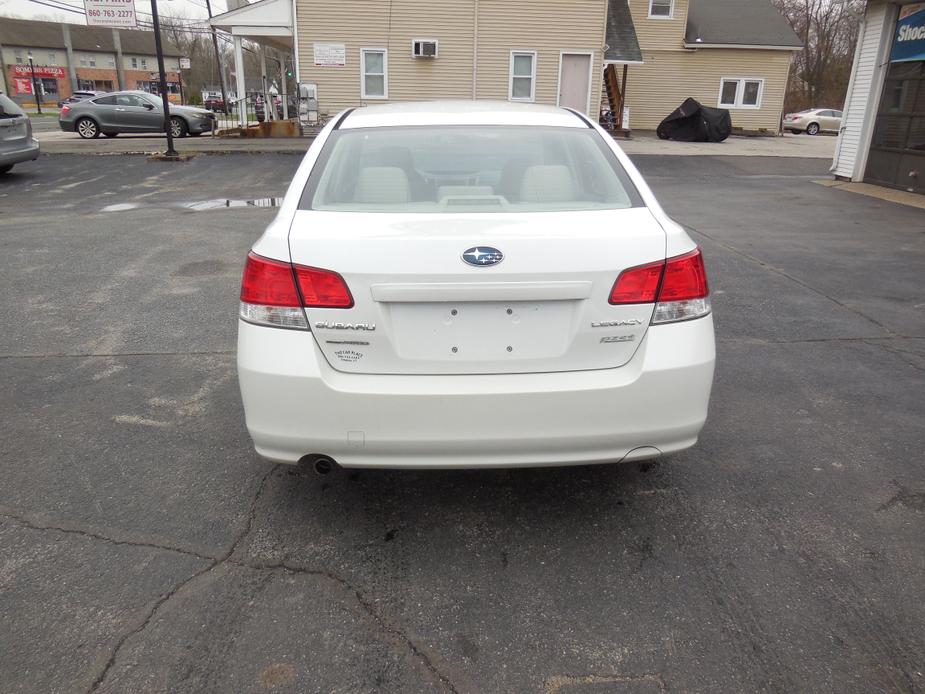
[150, 107]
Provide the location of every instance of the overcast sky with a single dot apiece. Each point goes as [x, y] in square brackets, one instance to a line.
[25, 9]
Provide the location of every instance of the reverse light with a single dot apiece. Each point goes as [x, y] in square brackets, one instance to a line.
[678, 286]
[274, 292]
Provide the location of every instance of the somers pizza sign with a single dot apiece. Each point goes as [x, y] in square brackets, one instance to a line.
[909, 41]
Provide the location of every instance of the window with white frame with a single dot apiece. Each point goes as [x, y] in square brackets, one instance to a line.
[374, 78]
[661, 9]
[111, 60]
[144, 63]
[523, 76]
[134, 63]
[740, 92]
[52, 59]
[91, 60]
[17, 55]
[83, 61]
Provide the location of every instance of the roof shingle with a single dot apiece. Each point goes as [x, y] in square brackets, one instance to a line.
[738, 22]
[622, 44]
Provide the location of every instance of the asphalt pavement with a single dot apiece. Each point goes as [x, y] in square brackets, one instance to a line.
[145, 548]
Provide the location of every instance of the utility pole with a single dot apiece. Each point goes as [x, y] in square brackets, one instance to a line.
[171, 152]
[35, 86]
[218, 61]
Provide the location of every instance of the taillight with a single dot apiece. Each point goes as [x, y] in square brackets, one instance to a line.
[638, 285]
[65, 109]
[684, 293]
[274, 292]
[322, 288]
[678, 287]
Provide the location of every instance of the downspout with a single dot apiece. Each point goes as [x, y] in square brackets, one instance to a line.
[295, 44]
[475, 50]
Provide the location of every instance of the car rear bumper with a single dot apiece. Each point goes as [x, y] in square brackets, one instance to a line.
[66, 125]
[295, 405]
[26, 152]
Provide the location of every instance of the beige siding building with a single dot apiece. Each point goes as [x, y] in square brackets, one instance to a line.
[372, 51]
[732, 54]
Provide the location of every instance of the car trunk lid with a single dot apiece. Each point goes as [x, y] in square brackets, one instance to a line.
[420, 308]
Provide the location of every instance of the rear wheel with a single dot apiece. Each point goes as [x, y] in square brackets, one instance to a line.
[812, 129]
[178, 127]
[87, 128]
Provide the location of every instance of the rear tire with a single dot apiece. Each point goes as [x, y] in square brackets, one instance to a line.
[87, 128]
[178, 127]
[812, 129]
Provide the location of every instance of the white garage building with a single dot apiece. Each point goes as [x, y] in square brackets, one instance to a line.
[882, 140]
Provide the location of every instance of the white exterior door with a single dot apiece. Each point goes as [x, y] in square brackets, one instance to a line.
[575, 81]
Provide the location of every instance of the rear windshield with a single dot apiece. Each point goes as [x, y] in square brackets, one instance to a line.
[467, 169]
[8, 108]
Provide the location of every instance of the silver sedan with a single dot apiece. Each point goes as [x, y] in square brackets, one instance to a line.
[813, 121]
[131, 112]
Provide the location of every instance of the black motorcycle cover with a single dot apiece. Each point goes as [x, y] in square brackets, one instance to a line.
[694, 122]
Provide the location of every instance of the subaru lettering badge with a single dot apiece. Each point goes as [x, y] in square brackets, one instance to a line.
[483, 256]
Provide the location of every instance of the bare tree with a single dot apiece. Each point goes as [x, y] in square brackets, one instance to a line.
[829, 30]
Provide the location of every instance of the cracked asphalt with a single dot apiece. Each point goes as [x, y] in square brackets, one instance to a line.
[145, 548]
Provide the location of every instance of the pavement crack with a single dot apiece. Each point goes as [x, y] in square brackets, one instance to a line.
[767, 266]
[214, 563]
[35, 524]
[901, 353]
[367, 607]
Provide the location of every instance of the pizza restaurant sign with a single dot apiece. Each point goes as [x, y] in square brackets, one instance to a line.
[909, 41]
[40, 71]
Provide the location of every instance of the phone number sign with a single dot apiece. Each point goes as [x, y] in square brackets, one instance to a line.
[111, 13]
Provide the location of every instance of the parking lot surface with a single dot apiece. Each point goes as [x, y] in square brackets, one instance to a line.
[145, 548]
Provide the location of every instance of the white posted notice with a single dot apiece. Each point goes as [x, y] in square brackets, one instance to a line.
[330, 55]
[111, 13]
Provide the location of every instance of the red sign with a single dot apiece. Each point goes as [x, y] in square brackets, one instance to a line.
[23, 86]
[40, 71]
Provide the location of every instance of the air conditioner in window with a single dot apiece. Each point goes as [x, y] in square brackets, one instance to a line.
[424, 48]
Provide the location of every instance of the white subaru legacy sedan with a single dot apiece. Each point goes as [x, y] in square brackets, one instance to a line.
[467, 285]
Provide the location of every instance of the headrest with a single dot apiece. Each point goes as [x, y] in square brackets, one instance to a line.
[382, 184]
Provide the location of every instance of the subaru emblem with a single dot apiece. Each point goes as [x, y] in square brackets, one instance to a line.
[483, 256]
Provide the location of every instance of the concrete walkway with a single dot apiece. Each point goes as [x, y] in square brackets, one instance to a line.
[803, 146]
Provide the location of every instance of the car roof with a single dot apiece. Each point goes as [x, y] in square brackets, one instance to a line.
[461, 113]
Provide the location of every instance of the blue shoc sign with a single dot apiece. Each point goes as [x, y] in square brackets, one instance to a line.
[909, 41]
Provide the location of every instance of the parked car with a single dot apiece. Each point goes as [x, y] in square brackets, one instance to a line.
[472, 284]
[215, 105]
[813, 121]
[16, 141]
[78, 96]
[131, 112]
